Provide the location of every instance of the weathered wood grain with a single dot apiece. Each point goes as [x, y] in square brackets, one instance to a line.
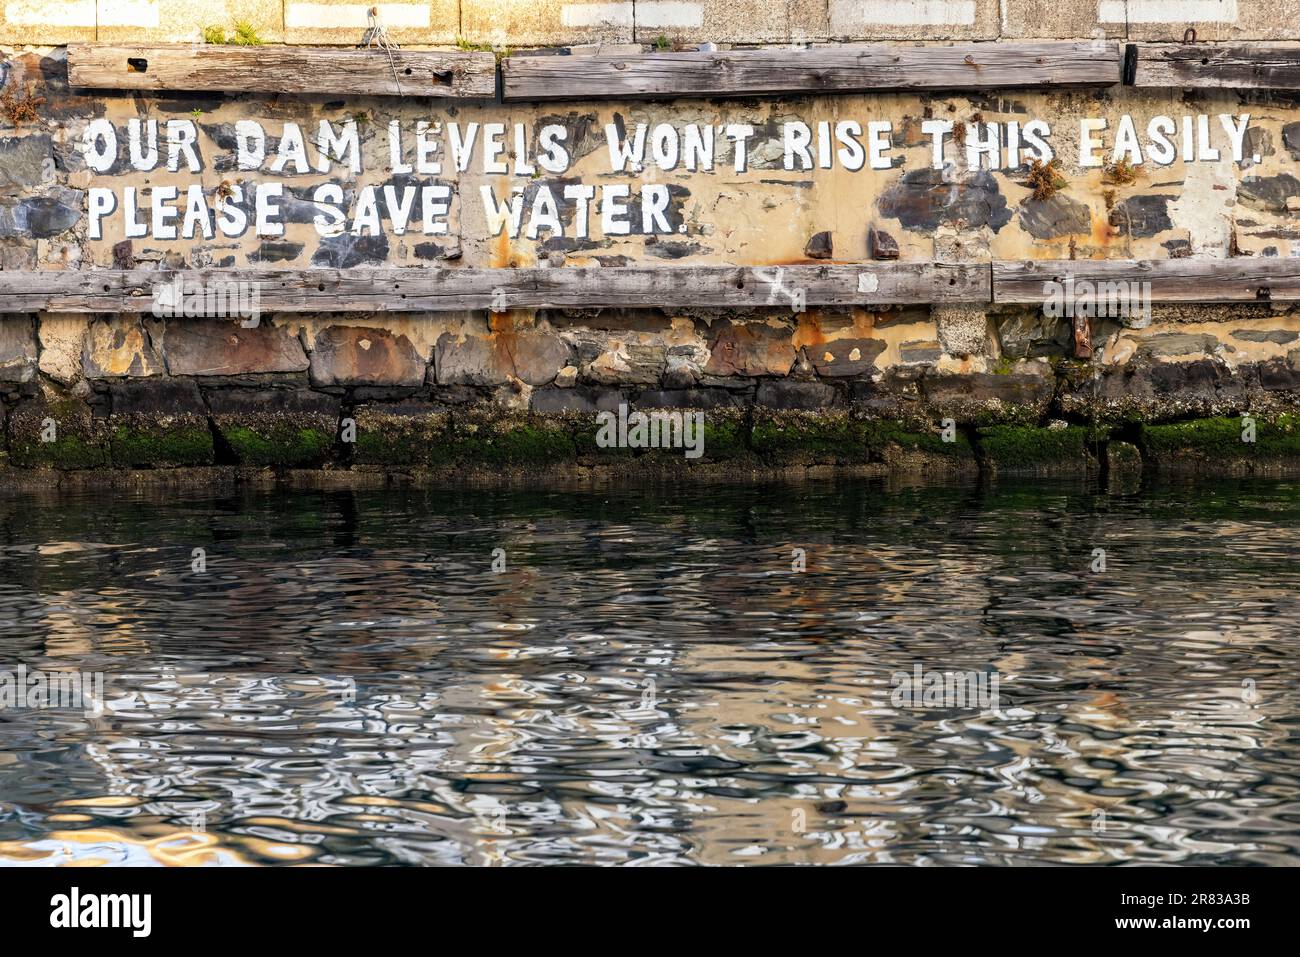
[1263, 66]
[818, 70]
[282, 70]
[407, 290]
[742, 287]
[1171, 280]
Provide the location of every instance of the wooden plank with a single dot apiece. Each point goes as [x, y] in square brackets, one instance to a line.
[1263, 66]
[833, 284]
[407, 290]
[1253, 279]
[826, 69]
[282, 70]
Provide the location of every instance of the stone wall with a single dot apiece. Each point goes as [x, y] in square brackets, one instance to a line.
[532, 23]
[493, 393]
[519, 390]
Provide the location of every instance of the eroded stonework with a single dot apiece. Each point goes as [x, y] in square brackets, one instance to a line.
[513, 388]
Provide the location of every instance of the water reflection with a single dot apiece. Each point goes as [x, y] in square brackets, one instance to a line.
[648, 682]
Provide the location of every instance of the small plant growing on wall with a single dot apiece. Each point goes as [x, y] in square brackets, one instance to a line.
[18, 110]
[1121, 173]
[245, 35]
[1045, 179]
[663, 44]
[469, 46]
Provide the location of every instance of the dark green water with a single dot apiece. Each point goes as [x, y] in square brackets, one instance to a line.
[350, 682]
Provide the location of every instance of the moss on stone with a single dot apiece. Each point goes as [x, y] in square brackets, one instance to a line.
[1220, 439]
[66, 452]
[584, 443]
[511, 442]
[79, 440]
[414, 440]
[1123, 457]
[1216, 438]
[809, 437]
[279, 445]
[724, 438]
[1010, 447]
[883, 434]
[141, 446]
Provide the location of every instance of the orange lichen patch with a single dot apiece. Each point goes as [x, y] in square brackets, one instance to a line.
[913, 135]
[864, 322]
[504, 338]
[1103, 233]
[809, 331]
[681, 331]
[500, 254]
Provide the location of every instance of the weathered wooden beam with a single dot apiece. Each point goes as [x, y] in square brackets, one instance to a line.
[407, 290]
[742, 287]
[837, 69]
[1262, 66]
[282, 70]
[1254, 279]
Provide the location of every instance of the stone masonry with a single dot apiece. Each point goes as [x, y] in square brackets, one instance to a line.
[944, 389]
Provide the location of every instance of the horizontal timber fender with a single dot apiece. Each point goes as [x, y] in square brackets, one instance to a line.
[1261, 66]
[288, 69]
[838, 69]
[1239, 279]
[411, 290]
[848, 68]
[742, 287]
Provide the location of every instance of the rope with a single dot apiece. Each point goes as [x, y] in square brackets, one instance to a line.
[376, 35]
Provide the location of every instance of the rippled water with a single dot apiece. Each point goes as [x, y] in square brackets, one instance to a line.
[648, 681]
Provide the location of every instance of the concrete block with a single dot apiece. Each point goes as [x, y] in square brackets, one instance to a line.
[541, 23]
[179, 21]
[1057, 20]
[689, 22]
[1213, 20]
[912, 19]
[40, 22]
[342, 22]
